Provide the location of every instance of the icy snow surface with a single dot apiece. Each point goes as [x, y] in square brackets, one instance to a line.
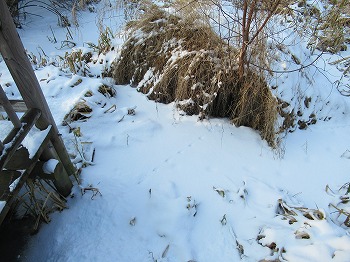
[161, 174]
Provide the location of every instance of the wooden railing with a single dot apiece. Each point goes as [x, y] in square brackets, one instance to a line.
[16, 164]
[13, 157]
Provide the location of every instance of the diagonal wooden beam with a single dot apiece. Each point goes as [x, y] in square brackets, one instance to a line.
[15, 57]
[9, 109]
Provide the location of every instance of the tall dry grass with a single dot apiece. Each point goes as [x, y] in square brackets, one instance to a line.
[178, 58]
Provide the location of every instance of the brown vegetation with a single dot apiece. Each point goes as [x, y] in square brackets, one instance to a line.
[174, 59]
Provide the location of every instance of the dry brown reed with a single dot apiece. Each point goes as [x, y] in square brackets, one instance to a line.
[80, 112]
[172, 58]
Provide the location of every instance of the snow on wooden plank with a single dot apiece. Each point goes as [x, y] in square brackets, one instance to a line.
[16, 136]
[2, 204]
[34, 139]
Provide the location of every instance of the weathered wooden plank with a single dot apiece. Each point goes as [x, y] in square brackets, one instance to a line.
[9, 109]
[62, 181]
[15, 57]
[7, 177]
[19, 161]
[16, 136]
[17, 62]
[17, 105]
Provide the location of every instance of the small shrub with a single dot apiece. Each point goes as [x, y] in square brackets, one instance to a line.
[77, 62]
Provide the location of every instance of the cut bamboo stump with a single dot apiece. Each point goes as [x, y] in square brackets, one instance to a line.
[41, 170]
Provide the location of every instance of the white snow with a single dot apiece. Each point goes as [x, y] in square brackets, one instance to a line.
[174, 188]
[2, 205]
[157, 169]
[50, 166]
[6, 127]
[34, 139]
[14, 184]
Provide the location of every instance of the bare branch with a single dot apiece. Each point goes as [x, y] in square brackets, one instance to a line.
[265, 21]
[289, 71]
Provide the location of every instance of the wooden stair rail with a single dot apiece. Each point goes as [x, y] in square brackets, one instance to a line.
[10, 197]
[15, 57]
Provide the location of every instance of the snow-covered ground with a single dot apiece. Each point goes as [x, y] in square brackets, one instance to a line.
[173, 188]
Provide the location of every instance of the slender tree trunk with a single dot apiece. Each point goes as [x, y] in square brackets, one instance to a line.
[242, 60]
[249, 12]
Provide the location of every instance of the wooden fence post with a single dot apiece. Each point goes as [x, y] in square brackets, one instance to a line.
[15, 57]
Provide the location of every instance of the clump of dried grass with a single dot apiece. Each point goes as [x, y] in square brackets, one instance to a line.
[257, 107]
[107, 91]
[38, 200]
[80, 112]
[77, 62]
[172, 58]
